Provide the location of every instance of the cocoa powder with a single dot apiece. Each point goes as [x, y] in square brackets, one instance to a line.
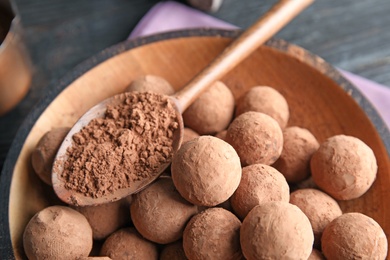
[128, 144]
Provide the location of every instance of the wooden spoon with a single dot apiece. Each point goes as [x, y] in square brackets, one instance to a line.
[275, 19]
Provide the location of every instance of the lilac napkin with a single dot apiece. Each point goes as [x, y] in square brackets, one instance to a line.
[169, 15]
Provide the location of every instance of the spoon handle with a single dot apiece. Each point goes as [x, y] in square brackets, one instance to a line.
[263, 29]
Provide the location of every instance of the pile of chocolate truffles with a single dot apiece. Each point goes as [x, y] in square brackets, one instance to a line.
[234, 191]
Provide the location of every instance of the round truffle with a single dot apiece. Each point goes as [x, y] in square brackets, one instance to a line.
[212, 234]
[127, 243]
[212, 111]
[344, 167]
[354, 236]
[42, 157]
[159, 213]
[299, 144]
[256, 137]
[151, 83]
[266, 100]
[316, 255]
[57, 232]
[206, 171]
[189, 134]
[259, 183]
[173, 251]
[276, 230]
[106, 218]
[319, 207]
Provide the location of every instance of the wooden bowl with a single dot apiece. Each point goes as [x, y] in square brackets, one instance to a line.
[320, 100]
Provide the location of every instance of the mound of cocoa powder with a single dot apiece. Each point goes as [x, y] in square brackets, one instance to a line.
[132, 140]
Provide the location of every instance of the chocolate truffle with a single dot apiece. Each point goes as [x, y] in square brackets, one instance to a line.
[256, 137]
[344, 167]
[259, 183]
[189, 134]
[266, 100]
[106, 218]
[57, 232]
[319, 207]
[173, 251]
[42, 157]
[212, 111]
[206, 171]
[159, 213]
[299, 144]
[127, 243]
[212, 234]
[316, 255]
[354, 236]
[276, 230]
[151, 83]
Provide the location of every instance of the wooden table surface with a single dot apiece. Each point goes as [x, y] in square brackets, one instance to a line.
[350, 34]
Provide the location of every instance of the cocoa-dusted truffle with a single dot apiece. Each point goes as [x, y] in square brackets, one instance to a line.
[173, 251]
[106, 218]
[266, 100]
[354, 236]
[344, 167]
[42, 157]
[159, 213]
[259, 183]
[189, 134]
[127, 243]
[212, 234]
[316, 255]
[276, 230]
[212, 111]
[299, 144]
[151, 83]
[256, 137]
[57, 232]
[319, 207]
[206, 171]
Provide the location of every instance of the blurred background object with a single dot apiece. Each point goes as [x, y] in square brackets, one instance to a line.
[206, 5]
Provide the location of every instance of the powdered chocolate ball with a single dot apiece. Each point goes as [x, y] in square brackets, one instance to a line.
[354, 236]
[212, 111]
[206, 171]
[259, 183]
[316, 255]
[299, 144]
[266, 100]
[151, 83]
[106, 218]
[319, 207]
[173, 251]
[42, 157]
[127, 243]
[344, 167]
[189, 134]
[159, 213]
[212, 234]
[256, 137]
[57, 232]
[276, 230]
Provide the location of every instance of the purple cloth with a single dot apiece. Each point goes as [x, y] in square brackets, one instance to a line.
[169, 15]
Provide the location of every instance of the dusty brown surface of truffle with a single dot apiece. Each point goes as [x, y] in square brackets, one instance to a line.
[151, 83]
[106, 218]
[299, 144]
[127, 243]
[259, 183]
[276, 230]
[354, 236]
[189, 134]
[206, 171]
[42, 157]
[316, 255]
[57, 232]
[173, 251]
[256, 137]
[128, 144]
[266, 100]
[213, 234]
[159, 213]
[344, 167]
[212, 111]
[319, 207]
